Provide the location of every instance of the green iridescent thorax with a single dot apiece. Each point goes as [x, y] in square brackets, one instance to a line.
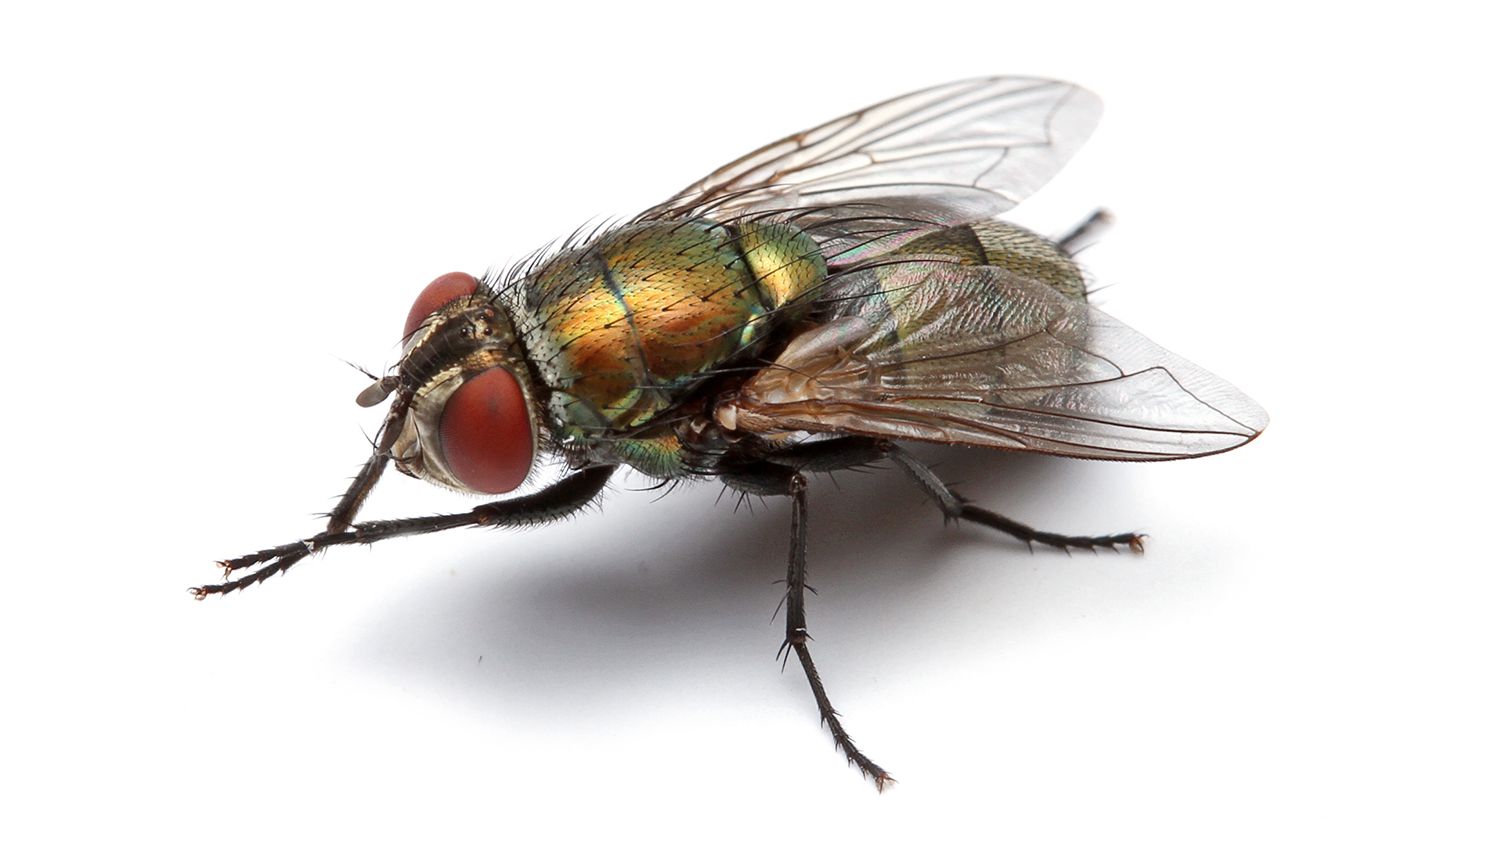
[621, 329]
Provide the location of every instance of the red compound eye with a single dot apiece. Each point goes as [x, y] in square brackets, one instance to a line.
[485, 433]
[439, 292]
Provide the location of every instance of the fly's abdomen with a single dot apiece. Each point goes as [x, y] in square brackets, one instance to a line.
[623, 327]
[1000, 244]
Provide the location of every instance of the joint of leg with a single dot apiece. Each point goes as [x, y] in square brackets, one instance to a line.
[797, 636]
[797, 483]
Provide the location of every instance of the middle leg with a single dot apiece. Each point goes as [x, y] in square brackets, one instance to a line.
[779, 480]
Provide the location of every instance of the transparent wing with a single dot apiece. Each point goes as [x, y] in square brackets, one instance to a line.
[953, 153]
[981, 356]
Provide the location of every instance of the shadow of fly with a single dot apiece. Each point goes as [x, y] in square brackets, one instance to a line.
[810, 307]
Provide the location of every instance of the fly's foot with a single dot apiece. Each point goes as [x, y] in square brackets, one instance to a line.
[1113, 542]
[1029, 535]
[276, 560]
[304, 547]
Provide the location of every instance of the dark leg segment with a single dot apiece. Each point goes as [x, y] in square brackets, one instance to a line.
[849, 452]
[562, 499]
[1086, 233]
[780, 473]
[955, 507]
[796, 638]
[343, 513]
[772, 479]
[831, 455]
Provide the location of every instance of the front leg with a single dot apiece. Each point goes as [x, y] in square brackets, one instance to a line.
[562, 499]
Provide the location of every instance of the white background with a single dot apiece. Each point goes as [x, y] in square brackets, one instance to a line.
[203, 212]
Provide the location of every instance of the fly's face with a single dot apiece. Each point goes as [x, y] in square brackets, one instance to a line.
[464, 415]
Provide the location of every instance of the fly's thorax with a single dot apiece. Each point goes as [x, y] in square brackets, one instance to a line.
[786, 262]
[622, 328]
[466, 401]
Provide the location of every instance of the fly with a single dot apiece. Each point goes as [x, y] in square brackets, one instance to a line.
[812, 306]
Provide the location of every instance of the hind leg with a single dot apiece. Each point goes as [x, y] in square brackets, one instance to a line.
[852, 452]
[1086, 233]
[955, 507]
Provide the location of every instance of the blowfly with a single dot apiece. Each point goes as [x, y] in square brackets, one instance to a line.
[814, 305]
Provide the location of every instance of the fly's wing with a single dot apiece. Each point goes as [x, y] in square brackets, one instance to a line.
[954, 153]
[977, 355]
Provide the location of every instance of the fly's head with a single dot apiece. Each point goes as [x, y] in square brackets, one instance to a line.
[464, 414]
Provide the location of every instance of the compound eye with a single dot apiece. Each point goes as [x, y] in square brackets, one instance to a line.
[439, 292]
[485, 433]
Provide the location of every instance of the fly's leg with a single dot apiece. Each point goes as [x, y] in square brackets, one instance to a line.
[955, 507]
[1086, 233]
[796, 637]
[831, 455]
[562, 499]
[771, 479]
[851, 452]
